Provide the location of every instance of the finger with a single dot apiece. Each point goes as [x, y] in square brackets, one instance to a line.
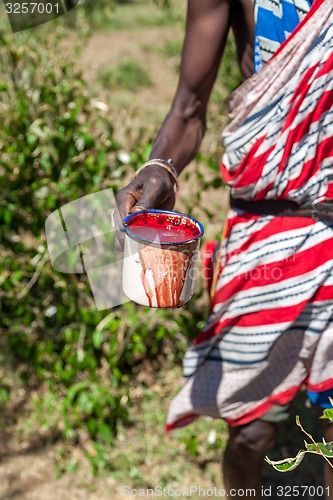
[138, 208]
[124, 203]
[153, 198]
[169, 203]
[125, 200]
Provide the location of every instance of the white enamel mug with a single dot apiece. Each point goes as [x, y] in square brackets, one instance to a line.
[160, 257]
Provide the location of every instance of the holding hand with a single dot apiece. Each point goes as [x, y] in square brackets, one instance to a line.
[153, 187]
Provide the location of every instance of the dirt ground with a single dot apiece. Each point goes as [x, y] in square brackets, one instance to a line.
[29, 475]
[27, 466]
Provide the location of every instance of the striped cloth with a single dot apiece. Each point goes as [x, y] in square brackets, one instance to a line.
[275, 21]
[270, 329]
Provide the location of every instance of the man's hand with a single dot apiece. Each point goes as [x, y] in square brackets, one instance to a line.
[152, 188]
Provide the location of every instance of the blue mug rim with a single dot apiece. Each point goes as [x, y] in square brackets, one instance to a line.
[157, 211]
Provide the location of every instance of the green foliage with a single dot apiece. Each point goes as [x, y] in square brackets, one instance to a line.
[191, 443]
[173, 49]
[49, 153]
[129, 75]
[328, 414]
[57, 145]
[127, 15]
[323, 449]
[79, 366]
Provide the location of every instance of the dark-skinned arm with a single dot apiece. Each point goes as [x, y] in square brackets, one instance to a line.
[207, 27]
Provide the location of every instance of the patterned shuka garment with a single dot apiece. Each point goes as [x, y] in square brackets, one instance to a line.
[270, 329]
[275, 21]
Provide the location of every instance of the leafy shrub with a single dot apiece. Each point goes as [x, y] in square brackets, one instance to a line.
[323, 448]
[128, 75]
[77, 365]
[57, 145]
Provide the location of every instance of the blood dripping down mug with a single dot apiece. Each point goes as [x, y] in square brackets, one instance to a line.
[160, 257]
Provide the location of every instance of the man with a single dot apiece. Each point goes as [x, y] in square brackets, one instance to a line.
[270, 327]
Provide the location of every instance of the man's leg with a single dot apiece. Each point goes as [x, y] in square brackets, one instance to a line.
[328, 469]
[243, 457]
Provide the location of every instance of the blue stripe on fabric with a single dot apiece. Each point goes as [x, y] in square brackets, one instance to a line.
[294, 294]
[299, 236]
[290, 16]
[226, 341]
[273, 27]
[233, 362]
[262, 112]
[268, 108]
[321, 398]
[318, 40]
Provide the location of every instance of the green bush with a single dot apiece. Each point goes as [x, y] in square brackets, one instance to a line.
[77, 365]
[57, 145]
[128, 75]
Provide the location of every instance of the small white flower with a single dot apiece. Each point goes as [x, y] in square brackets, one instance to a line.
[101, 106]
[211, 436]
[79, 143]
[50, 311]
[42, 192]
[124, 157]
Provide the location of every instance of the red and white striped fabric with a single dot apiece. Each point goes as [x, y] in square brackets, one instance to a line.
[271, 325]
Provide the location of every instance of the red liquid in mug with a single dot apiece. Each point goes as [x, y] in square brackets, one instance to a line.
[164, 265]
[164, 228]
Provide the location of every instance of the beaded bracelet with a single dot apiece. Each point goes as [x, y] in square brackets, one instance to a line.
[167, 164]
